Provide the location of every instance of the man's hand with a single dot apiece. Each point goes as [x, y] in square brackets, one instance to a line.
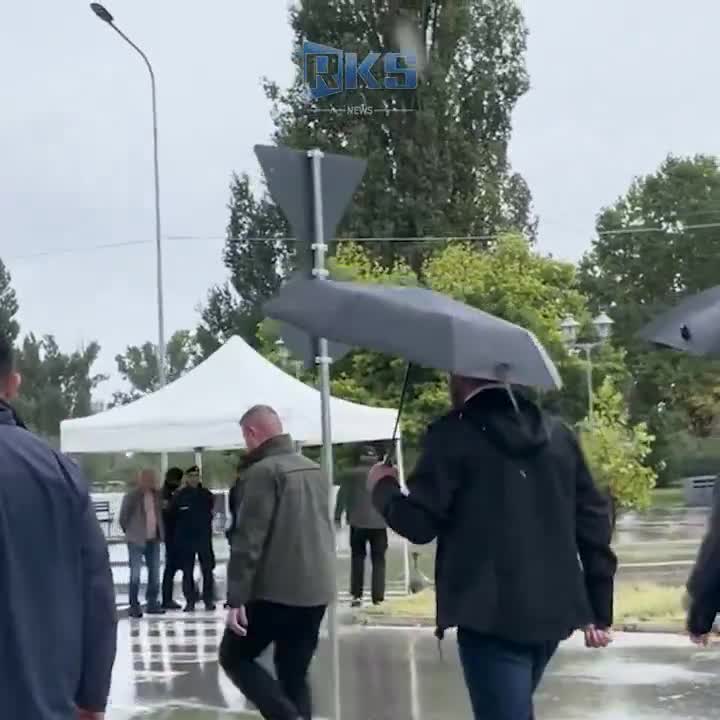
[378, 472]
[702, 640]
[89, 715]
[597, 638]
[237, 621]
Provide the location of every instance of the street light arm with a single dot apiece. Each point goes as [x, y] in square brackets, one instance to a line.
[137, 50]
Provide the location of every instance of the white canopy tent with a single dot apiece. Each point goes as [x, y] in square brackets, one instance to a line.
[202, 409]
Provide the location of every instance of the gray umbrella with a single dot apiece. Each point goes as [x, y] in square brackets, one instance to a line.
[692, 326]
[424, 327]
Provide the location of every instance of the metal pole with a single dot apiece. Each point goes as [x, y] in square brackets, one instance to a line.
[322, 360]
[588, 355]
[162, 374]
[401, 476]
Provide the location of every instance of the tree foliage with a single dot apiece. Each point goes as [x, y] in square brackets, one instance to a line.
[617, 450]
[56, 385]
[437, 155]
[138, 365]
[9, 327]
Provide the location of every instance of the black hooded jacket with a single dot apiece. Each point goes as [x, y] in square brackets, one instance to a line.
[523, 535]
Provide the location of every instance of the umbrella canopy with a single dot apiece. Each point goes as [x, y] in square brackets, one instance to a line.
[692, 326]
[422, 326]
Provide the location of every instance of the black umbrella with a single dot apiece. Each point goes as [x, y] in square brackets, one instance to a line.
[692, 326]
[424, 327]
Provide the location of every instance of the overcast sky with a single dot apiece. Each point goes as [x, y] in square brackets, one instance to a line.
[615, 87]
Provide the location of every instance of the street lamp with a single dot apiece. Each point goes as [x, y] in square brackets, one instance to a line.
[107, 18]
[570, 328]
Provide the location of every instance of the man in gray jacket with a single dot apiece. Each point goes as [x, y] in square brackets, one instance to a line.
[281, 575]
[141, 520]
[367, 528]
[57, 605]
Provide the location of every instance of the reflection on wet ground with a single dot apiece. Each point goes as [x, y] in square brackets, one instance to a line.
[167, 669]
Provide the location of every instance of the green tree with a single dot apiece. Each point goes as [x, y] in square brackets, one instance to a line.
[617, 450]
[9, 327]
[138, 365]
[656, 243]
[56, 385]
[437, 155]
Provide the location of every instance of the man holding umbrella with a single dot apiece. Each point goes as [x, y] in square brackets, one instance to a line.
[504, 488]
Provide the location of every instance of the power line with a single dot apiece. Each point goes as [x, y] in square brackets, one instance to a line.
[360, 240]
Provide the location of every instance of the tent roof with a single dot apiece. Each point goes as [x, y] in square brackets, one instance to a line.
[203, 407]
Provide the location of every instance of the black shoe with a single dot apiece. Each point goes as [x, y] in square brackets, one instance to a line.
[172, 605]
[190, 607]
[356, 603]
[378, 602]
[210, 607]
[135, 612]
[154, 610]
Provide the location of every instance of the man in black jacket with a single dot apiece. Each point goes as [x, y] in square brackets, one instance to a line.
[507, 493]
[193, 508]
[57, 605]
[173, 481]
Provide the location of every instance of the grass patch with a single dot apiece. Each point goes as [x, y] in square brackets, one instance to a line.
[634, 602]
[666, 498]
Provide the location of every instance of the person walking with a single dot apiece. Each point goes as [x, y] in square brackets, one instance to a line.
[193, 509]
[367, 528]
[506, 491]
[173, 481]
[281, 573]
[57, 605]
[142, 522]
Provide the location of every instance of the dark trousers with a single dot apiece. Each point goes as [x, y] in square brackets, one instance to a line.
[360, 538]
[150, 552]
[502, 677]
[172, 566]
[203, 551]
[295, 632]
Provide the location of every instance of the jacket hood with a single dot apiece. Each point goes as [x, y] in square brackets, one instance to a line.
[517, 432]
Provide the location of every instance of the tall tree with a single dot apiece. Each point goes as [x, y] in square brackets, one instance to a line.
[8, 306]
[658, 242]
[256, 266]
[138, 365]
[437, 154]
[56, 385]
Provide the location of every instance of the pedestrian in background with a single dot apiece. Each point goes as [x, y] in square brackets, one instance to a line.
[523, 539]
[173, 481]
[57, 604]
[367, 529]
[281, 570]
[193, 508]
[142, 522]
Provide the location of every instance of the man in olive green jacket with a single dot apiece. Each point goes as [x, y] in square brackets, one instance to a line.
[281, 574]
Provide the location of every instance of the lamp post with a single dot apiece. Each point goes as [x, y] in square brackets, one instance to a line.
[107, 18]
[603, 327]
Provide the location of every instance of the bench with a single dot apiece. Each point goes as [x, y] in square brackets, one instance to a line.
[103, 513]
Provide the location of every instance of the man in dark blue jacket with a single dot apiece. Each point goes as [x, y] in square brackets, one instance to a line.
[57, 605]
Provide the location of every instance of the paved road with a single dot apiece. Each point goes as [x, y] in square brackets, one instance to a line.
[167, 670]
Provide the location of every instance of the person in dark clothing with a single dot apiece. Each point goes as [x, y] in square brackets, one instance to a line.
[703, 586]
[57, 605]
[506, 491]
[367, 528]
[173, 481]
[192, 509]
[234, 500]
[281, 574]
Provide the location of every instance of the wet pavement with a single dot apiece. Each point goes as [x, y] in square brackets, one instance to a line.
[167, 670]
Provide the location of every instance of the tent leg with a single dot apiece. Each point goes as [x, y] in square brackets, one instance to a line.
[401, 474]
[163, 466]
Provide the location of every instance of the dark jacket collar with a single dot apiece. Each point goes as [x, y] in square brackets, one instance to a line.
[280, 445]
[8, 416]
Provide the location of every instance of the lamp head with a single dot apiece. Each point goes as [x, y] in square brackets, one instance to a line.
[603, 325]
[570, 328]
[102, 12]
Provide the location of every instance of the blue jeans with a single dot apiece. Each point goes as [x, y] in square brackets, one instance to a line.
[150, 551]
[501, 677]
